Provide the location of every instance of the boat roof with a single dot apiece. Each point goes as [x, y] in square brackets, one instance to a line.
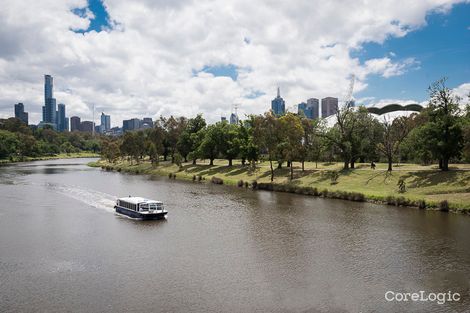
[136, 200]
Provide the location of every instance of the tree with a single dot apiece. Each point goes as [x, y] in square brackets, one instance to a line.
[229, 142]
[187, 142]
[174, 127]
[393, 133]
[444, 130]
[291, 140]
[265, 136]
[210, 143]
[8, 144]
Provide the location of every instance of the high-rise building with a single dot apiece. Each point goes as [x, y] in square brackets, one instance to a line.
[86, 126]
[301, 107]
[48, 87]
[49, 109]
[132, 124]
[147, 122]
[60, 118]
[329, 106]
[74, 124]
[105, 123]
[278, 105]
[223, 119]
[233, 118]
[20, 113]
[314, 106]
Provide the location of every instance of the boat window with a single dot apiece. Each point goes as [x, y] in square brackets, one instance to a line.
[144, 207]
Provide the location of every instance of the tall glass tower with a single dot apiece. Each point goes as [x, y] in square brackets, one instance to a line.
[278, 105]
[49, 109]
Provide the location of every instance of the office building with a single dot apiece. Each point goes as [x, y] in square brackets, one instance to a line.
[223, 119]
[49, 109]
[329, 106]
[233, 119]
[314, 105]
[301, 108]
[105, 123]
[278, 105]
[60, 118]
[132, 124]
[86, 126]
[146, 122]
[74, 124]
[20, 113]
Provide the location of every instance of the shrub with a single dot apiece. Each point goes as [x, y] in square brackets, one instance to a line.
[170, 175]
[254, 184]
[194, 177]
[199, 177]
[118, 169]
[324, 193]
[444, 206]
[246, 184]
[217, 180]
[334, 175]
[421, 204]
[240, 183]
[390, 200]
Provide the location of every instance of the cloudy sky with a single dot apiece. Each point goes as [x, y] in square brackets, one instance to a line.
[160, 57]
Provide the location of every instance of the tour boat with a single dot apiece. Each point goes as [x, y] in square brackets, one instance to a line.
[140, 208]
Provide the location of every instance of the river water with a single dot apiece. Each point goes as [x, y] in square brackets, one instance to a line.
[221, 249]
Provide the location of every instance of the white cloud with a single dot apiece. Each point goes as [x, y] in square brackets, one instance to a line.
[145, 65]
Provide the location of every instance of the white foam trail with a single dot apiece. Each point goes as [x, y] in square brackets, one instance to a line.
[93, 198]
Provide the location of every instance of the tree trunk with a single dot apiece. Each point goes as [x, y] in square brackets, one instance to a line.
[291, 170]
[316, 164]
[272, 170]
[303, 167]
[445, 164]
[185, 159]
[229, 162]
[288, 163]
[390, 161]
[243, 161]
[353, 162]
[211, 162]
[279, 165]
[346, 165]
[194, 161]
[440, 164]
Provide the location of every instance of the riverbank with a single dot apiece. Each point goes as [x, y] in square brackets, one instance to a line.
[51, 157]
[425, 187]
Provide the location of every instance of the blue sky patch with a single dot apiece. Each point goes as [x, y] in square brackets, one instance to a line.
[442, 48]
[100, 22]
[229, 70]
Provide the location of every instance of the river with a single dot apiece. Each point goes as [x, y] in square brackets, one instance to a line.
[221, 249]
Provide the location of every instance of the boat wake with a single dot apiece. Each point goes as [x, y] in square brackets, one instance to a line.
[90, 197]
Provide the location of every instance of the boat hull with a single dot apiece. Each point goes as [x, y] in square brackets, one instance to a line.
[138, 215]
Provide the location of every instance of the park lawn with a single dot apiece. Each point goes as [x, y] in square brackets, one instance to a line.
[422, 182]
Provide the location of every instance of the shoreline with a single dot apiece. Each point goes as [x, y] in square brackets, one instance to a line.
[79, 155]
[219, 175]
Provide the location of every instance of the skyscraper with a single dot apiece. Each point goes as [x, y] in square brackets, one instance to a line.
[132, 124]
[314, 106]
[61, 119]
[74, 124]
[233, 118]
[49, 109]
[105, 123]
[278, 105]
[329, 106]
[20, 113]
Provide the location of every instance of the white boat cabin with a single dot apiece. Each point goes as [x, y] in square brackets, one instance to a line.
[141, 205]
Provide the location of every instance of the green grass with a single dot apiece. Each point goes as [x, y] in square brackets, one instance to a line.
[422, 182]
[52, 157]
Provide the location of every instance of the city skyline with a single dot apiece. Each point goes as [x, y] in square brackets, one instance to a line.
[128, 68]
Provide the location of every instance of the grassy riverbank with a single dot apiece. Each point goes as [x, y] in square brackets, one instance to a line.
[426, 186]
[52, 157]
